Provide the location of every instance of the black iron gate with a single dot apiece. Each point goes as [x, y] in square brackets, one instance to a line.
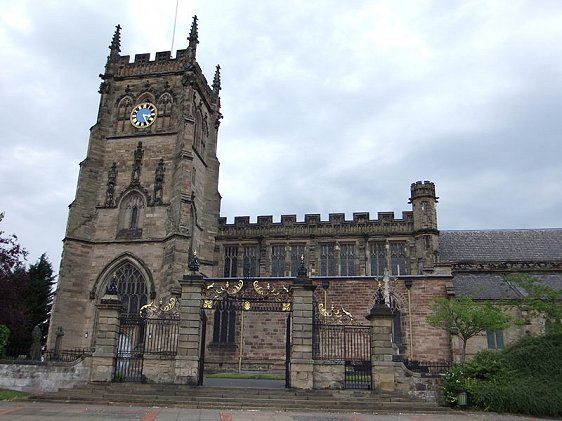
[139, 336]
[202, 345]
[349, 344]
[226, 299]
[288, 353]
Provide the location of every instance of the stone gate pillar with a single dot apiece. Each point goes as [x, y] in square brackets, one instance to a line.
[381, 345]
[189, 341]
[107, 337]
[302, 364]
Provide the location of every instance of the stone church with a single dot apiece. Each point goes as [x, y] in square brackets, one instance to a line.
[147, 215]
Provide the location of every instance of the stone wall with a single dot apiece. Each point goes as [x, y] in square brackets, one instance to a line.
[329, 375]
[263, 343]
[44, 377]
[420, 386]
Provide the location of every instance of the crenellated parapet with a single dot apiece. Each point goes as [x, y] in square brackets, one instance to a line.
[313, 225]
[425, 189]
[142, 65]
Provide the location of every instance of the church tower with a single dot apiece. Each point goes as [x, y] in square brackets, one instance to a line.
[147, 193]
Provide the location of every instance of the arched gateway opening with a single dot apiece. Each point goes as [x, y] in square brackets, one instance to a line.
[246, 330]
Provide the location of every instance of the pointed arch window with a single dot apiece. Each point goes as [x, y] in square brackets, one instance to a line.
[123, 111]
[224, 326]
[131, 288]
[164, 106]
[131, 213]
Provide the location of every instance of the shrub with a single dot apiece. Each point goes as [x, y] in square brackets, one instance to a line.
[524, 378]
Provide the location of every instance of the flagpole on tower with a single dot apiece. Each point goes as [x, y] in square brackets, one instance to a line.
[174, 32]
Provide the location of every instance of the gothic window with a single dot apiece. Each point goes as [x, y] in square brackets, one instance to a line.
[278, 261]
[204, 131]
[123, 111]
[224, 326]
[398, 261]
[165, 104]
[397, 328]
[250, 263]
[130, 216]
[124, 108]
[230, 261]
[347, 260]
[297, 252]
[327, 260]
[377, 259]
[198, 129]
[131, 288]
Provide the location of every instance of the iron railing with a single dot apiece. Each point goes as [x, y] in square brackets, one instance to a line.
[139, 336]
[429, 367]
[348, 344]
[341, 342]
[25, 354]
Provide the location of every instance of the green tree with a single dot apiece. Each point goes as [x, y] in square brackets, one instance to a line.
[4, 335]
[13, 287]
[468, 317]
[538, 299]
[12, 255]
[39, 297]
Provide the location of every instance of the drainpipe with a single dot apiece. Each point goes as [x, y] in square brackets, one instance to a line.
[408, 285]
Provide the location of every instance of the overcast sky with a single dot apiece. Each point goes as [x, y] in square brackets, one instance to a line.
[329, 106]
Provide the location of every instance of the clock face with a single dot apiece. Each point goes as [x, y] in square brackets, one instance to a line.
[143, 115]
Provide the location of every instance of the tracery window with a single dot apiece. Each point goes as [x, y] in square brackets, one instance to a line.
[377, 259]
[327, 260]
[131, 288]
[230, 261]
[224, 326]
[278, 261]
[250, 263]
[398, 260]
[347, 260]
[297, 252]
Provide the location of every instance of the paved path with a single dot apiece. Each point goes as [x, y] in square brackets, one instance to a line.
[32, 411]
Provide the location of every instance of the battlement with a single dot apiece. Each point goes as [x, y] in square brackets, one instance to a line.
[360, 224]
[422, 189]
[141, 65]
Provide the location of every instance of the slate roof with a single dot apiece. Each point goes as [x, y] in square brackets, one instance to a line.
[501, 245]
[491, 286]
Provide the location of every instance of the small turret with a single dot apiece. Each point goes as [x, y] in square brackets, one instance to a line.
[423, 201]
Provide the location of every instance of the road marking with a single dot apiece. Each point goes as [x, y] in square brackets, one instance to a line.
[150, 416]
[9, 410]
[226, 416]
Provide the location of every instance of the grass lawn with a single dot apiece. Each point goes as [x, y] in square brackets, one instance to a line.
[261, 376]
[10, 395]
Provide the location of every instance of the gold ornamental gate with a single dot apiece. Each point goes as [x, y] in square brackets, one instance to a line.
[245, 324]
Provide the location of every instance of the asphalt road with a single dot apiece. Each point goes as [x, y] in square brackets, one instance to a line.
[28, 411]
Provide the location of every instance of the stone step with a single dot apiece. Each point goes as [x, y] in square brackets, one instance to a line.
[236, 398]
